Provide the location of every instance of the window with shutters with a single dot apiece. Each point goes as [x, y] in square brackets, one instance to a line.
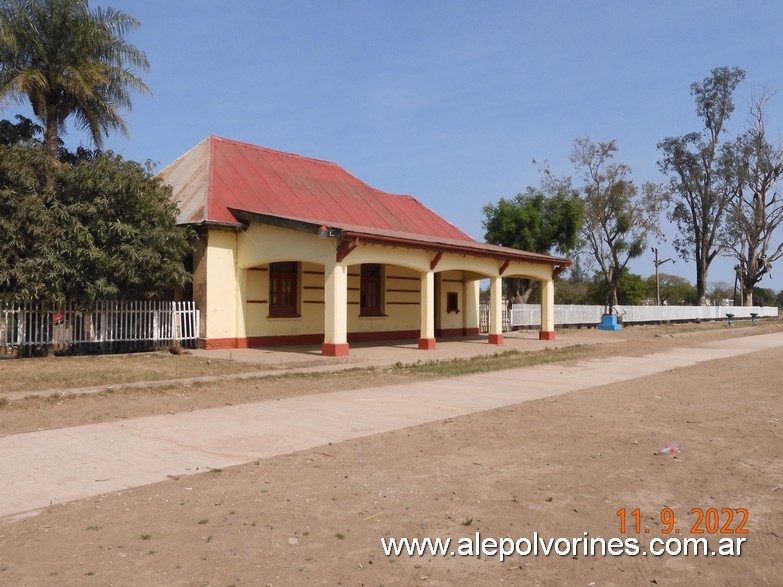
[283, 288]
[371, 290]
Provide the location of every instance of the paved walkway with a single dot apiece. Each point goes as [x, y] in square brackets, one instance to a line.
[273, 362]
[56, 466]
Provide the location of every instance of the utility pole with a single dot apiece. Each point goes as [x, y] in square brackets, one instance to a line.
[657, 283]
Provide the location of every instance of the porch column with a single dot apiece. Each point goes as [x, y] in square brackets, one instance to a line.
[471, 308]
[547, 331]
[335, 310]
[496, 310]
[241, 324]
[427, 336]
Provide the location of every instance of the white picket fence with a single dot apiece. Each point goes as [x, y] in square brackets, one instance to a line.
[108, 325]
[528, 315]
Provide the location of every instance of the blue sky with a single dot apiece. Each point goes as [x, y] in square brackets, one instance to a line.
[446, 101]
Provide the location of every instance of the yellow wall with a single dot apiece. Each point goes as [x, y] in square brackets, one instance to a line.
[231, 283]
[221, 289]
[200, 282]
[310, 300]
[400, 301]
[452, 281]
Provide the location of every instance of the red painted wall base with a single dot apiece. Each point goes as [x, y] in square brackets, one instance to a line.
[495, 339]
[426, 344]
[301, 339]
[546, 335]
[455, 332]
[334, 349]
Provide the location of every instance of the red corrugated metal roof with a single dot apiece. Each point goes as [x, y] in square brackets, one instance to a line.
[218, 174]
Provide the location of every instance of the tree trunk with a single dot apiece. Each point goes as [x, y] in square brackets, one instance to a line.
[701, 284]
[51, 137]
[612, 297]
[611, 288]
[747, 294]
[519, 290]
[524, 296]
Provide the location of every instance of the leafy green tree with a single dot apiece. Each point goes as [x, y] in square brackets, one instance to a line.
[570, 291]
[26, 131]
[699, 180]
[68, 60]
[105, 228]
[764, 296]
[19, 132]
[675, 290]
[631, 289]
[31, 227]
[535, 222]
[617, 217]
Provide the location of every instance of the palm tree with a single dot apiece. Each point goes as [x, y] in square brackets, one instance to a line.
[69, 60]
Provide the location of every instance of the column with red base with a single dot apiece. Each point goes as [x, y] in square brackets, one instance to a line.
[547, 331]
[335, 310]
[427, 336]
[496, 310]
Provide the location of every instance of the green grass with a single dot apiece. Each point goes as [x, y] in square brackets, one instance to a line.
[420, 370]
[38, 374]
[504, 360]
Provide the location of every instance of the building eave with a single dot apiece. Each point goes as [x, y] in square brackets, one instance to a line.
[420, 242]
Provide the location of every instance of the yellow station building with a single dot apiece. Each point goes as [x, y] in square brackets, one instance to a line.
[295, 250]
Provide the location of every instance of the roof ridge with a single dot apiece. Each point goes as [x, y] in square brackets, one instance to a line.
[210, 176]
[219, 173]
[185, 154]
[212, 138]
[268, 150]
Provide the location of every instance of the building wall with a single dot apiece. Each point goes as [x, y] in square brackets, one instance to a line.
[220, 313]
[199, 284]
[310, 301]
[231, 285]
[451, 323]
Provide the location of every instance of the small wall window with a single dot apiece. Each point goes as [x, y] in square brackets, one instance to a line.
[452, 302]
[283, 288]
[371, 290]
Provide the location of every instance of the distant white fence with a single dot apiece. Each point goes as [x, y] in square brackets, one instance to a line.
[525, 315]
[106, 326]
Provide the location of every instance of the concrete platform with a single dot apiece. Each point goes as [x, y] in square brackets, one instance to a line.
[57, 466]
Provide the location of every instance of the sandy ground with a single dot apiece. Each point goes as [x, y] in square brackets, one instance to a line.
[561, 467]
